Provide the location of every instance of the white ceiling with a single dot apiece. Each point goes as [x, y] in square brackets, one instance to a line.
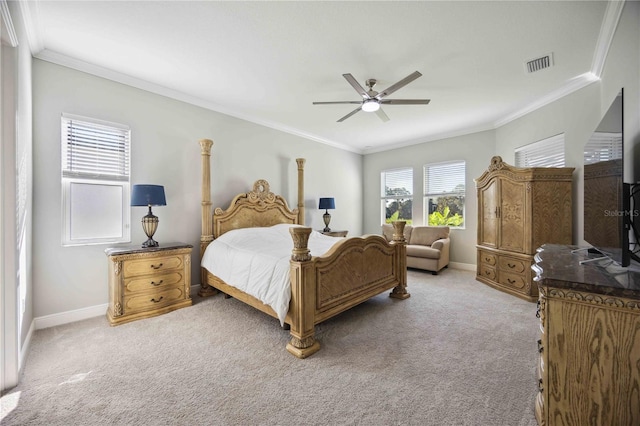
[266, 62]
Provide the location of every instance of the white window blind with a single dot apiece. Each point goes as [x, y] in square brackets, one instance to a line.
[603, 147]
[444, 178]
[544, 153]
[397, 182]
[93, 149]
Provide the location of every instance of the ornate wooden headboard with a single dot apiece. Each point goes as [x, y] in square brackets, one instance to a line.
[259, 207]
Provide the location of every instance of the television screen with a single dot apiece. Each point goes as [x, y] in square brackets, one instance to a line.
[606, 197]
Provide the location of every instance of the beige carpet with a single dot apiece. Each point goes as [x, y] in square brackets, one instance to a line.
[456, 352]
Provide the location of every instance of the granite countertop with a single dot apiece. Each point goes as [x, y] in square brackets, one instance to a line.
[137, 248]
[560, 266]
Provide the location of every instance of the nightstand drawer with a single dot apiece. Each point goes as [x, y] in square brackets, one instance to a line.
[152, 300]
[160, 281]
[152, 266]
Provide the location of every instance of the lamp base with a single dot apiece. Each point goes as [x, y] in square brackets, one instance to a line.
[150, 225]
[327, 218]
[150, 243]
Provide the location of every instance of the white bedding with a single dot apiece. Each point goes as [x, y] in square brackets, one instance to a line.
[256, 261]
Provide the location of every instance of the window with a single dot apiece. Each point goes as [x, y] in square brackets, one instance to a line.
[95, 181]
[603, 146]
[444, 194]
[545, 153]
[397, 195]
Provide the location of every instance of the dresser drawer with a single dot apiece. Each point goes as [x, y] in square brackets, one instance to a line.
[487, 271]
[516, 281]
[511, 264]
[153, 300]
[151, 266]
[160, 282]
[487, 258]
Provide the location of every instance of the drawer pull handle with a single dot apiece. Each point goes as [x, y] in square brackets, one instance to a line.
[540, 388]
[510, 265]
[157, 283]
[511, 281]
[487, 273]
[157, 267]
[156, 301]
[540, 347]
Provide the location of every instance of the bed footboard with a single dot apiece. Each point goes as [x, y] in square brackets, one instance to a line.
[353, 271]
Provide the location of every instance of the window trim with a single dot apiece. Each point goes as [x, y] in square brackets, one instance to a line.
[96, 176]
[427, 194]
[384, 197]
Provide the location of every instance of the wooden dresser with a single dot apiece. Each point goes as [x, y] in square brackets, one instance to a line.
[144, 282]
[589, 366]
[519, 209]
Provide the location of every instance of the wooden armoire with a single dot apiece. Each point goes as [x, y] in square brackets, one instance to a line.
[520, 209]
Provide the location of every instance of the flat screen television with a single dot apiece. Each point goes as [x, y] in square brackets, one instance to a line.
[607, 215]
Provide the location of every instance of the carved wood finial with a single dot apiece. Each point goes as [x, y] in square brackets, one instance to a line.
[205, 146]
[496, 163]
[398, 231]
[300, 235]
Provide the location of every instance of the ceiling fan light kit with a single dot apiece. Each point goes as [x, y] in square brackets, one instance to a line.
[372, 100]
[370, 106]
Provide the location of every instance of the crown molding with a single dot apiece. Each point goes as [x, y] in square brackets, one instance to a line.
[605, 38]
[571, 86]
[31, 20]
[66, 61]
[8, 24]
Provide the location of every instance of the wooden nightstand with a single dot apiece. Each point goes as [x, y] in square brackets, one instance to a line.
[145, 282]
[334, 233]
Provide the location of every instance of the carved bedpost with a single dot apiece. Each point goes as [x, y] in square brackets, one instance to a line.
[302, 306]
[206, 235]
[300, 162]
[400, 291]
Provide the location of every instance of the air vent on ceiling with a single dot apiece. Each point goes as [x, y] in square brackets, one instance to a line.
[540, 63]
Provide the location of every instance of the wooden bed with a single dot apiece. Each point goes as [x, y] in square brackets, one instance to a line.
[354, 270]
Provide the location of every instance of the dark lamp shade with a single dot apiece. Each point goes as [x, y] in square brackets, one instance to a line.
[327, 203]
[148, 195]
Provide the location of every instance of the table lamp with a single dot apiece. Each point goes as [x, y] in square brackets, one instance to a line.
[326, 204]
[149, 195]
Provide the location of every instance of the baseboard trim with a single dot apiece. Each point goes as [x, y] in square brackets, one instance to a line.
[70, 316]
[80, 314]
[463, 266]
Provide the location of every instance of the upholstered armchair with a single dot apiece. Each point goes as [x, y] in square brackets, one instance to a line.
[427, 246]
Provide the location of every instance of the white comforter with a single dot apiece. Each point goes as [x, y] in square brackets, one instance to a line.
[256, 261]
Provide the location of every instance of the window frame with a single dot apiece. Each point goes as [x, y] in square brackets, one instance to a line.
[99, 175]
[384, 198]
[548, 152]
[429, 194]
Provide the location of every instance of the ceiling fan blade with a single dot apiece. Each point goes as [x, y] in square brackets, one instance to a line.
[354, 83]
[337, 102]
[389, 90]
[350, 114]
[405, 101]
[381, 114]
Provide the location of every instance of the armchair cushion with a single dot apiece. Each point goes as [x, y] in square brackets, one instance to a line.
[427, 235]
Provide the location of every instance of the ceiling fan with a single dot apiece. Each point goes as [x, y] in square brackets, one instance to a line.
[372, 100]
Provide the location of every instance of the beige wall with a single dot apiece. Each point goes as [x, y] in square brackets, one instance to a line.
[165, 151]
[578, 114]
[475, 150]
